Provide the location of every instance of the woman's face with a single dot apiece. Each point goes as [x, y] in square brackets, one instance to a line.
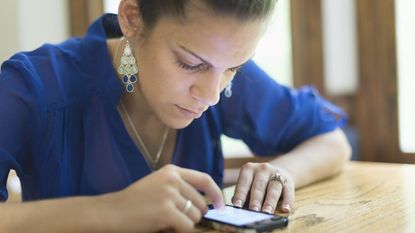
[183, 66]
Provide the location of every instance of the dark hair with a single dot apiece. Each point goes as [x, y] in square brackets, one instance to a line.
[152, 10]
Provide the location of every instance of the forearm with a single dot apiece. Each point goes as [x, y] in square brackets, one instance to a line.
[80, 214]
[316, 158]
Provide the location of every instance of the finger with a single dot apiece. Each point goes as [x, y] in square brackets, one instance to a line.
[190, 192]
[274, 190]
[179, 221]
[288, 197]
[242, 186]
[193, 212]
[258, 189]
[203, 182]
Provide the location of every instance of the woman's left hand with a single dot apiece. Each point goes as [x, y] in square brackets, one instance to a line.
[264, 185]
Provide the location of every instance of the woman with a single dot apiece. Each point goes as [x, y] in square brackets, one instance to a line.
[97, 119]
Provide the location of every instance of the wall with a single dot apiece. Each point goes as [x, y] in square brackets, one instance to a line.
[405, 28]
[8, 28]
[27, 24]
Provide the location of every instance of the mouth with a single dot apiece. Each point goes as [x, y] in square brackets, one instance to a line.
[189, 113]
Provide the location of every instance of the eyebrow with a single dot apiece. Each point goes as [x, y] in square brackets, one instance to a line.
[195, 55]
[205, 61]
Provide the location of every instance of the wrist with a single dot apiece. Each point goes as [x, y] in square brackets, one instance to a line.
[103, 213]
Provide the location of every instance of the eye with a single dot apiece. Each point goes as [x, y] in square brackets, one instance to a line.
[191, 68]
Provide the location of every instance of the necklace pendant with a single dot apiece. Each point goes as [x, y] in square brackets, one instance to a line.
[152, 162]
[154, 165]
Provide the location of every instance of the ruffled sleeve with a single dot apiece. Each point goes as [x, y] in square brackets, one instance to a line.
[18, 121]
[271, 118]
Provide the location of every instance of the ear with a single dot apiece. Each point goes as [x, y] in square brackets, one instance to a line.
[129, 18]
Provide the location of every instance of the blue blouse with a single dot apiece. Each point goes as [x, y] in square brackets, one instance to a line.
[61, 131]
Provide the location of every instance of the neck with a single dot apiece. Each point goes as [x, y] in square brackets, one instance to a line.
[134, 102]
[144, 118]
[150, 128]
[153, 148]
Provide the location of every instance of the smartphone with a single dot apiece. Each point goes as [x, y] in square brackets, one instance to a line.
[236, 219]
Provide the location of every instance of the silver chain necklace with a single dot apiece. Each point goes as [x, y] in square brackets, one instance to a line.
[153, 161]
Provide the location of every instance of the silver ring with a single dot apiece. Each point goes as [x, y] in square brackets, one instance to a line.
[187, 206]
[277, 177]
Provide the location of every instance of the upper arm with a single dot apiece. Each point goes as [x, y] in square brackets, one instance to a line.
[271, 118]
[18, 119]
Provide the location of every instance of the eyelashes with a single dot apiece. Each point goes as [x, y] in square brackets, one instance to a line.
[201, 67]
[191, 68]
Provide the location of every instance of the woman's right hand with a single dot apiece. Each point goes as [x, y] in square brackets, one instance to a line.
[157, 202]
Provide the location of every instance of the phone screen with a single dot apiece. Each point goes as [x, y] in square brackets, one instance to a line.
[236, 216]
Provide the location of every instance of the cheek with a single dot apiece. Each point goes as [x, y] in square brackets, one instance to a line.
[161, 70]
[172, 81]
[157, 64]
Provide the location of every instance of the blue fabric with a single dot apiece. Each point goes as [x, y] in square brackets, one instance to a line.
[61, 131]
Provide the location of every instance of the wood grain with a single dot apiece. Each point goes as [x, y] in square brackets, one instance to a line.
[365, 197]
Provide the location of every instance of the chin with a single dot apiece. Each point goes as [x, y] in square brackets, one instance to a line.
[178, 124]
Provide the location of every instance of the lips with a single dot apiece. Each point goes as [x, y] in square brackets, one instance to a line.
[189, 113]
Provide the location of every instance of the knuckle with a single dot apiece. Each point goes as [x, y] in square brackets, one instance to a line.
[269, 204]
[207, 180]
[241, 190]
[171, 177]
[259, 185]
[198, 216]
[291, 196]
[243, 181]
[170, 168]
[274, 196]
[248, 166]
[254, 203]
[171, 191]
[167, 209]
[264, 166]
[238, 196]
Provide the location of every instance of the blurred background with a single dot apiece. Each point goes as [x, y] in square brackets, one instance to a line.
[360, 54]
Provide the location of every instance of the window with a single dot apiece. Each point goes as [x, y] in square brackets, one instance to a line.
[111, 6]
[405, 29]
[274, 56]
[274, 50]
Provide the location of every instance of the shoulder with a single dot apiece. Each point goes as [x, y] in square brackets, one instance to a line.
[50, 70]
[251, 84]
[253, 80]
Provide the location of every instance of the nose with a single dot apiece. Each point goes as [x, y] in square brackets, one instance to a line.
[206, 89]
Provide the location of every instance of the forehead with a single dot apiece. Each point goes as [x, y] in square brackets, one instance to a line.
[217, 37]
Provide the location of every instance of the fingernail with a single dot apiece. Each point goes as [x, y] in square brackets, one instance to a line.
[238, 203]
[267, 209]
[287, 207]
[220, 206]
[255, 208]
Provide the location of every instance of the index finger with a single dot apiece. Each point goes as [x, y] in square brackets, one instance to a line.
[242, 187]
[203, 182]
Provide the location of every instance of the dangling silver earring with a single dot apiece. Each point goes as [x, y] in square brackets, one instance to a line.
[128, 68]
[228, 90]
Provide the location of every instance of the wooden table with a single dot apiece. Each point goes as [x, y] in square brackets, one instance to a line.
[365, 197]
